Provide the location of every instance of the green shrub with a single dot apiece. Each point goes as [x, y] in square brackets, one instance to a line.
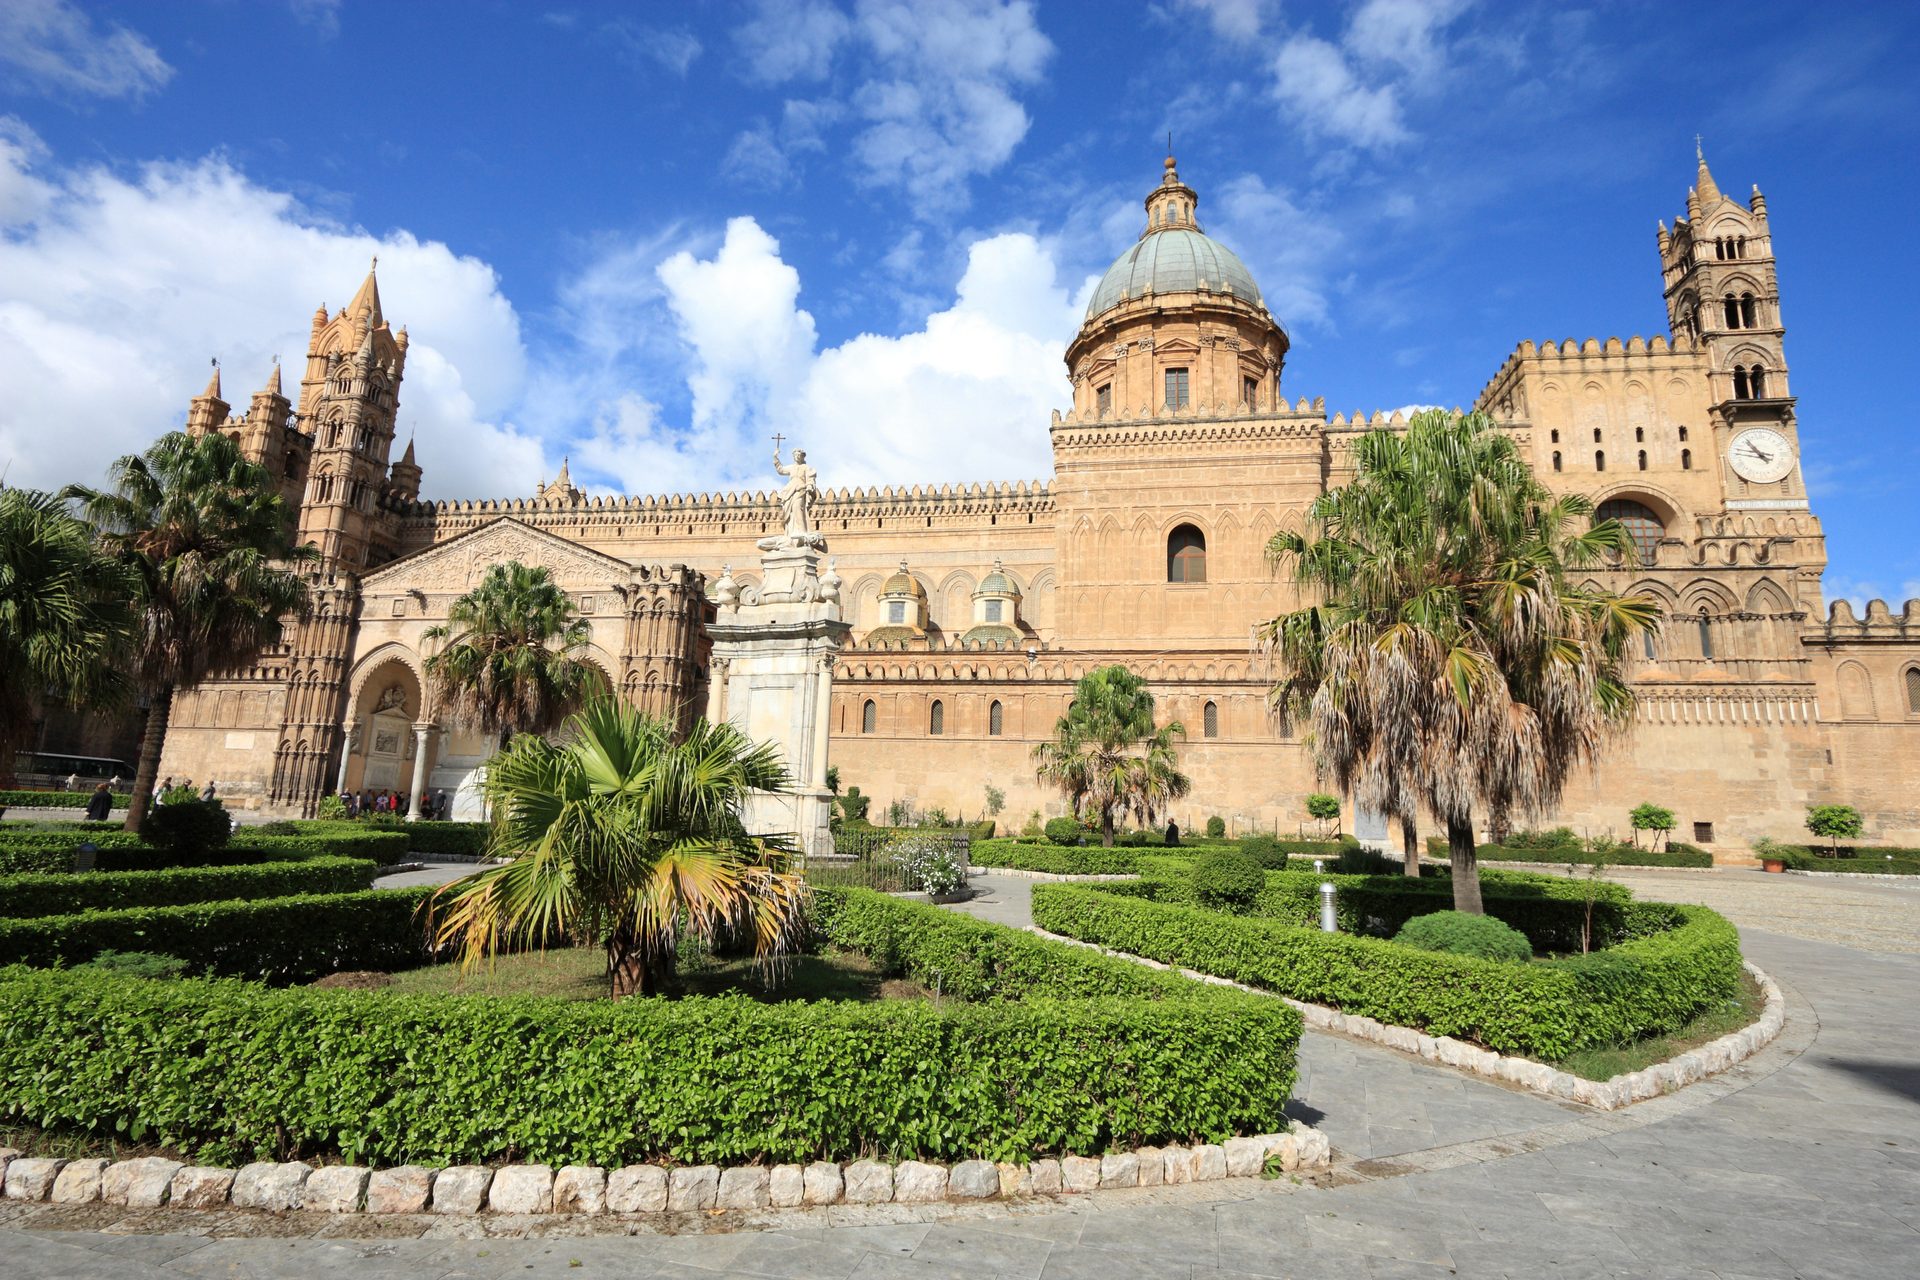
[1883, 862]
[1216, 827]
[1227, 879]
[55, 799]
[1053, 859]
[981, 830]
[136, 964]
[274, 939]
[1651, 817]
[24, 896]
[187, 829]
[332, 808]
[227, 1071]
[1272, 852]
[1358, 861]
[41, 859]
[1680, 960]
[1676, 855]
[1558, 838]
[1065, 831]
[1834, 823]
[1460, 934]
[1322, 807]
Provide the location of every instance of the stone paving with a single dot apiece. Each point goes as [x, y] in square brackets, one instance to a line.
[1804, 1161]
[1871, 914]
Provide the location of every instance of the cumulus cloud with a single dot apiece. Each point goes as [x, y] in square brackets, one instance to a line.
[1233, 19]
[1313, 79]
[934, 94]
[1288, 248]
[115, 289]
[966, 396]
[51, 46]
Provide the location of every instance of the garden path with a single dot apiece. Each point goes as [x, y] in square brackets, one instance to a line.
[1802, 1162]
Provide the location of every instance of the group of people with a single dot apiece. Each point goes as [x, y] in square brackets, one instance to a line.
[434, 805]
[207, 793]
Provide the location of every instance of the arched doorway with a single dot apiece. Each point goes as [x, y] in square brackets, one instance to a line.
[384, 736]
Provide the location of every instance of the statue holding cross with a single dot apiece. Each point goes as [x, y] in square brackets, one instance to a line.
[797, 498]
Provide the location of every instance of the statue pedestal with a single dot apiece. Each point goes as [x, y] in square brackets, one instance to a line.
[772, 678]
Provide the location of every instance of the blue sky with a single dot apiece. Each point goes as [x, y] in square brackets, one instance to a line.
[647, 236]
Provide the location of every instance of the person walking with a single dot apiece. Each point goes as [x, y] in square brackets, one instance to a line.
[99, 804]
[160, 792]
[206, 797]
[73, 782]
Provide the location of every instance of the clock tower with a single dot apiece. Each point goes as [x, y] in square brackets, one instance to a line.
[1723, 294]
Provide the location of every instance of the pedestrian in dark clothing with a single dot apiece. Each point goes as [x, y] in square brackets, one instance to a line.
[1173, 833]
[99, 804]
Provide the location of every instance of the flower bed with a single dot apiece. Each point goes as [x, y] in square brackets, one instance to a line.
[1682, 959]
[27, 896]
[1056, 1050]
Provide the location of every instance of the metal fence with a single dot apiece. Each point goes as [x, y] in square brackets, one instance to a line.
[863, 857]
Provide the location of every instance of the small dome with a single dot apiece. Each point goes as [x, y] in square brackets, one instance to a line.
[1173, 260]
[997, 583]
[903, 584]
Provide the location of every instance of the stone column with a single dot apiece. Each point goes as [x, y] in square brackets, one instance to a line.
[822, 725]
[346, 753]
[422, 743]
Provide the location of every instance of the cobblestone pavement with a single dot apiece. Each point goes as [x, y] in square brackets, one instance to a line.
[1871, 914]
[1803, 1162]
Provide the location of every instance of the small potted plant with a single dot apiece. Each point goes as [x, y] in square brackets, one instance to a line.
[1771, 858]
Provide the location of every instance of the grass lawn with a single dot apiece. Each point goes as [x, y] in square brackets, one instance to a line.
[1608, 1062]
[579, 973]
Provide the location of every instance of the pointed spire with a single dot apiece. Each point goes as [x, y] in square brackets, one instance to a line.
[273, 379]
[365, 355]
[1703, 181]
[213, 384]
[367, 301]
[565, 479]
[406, 459]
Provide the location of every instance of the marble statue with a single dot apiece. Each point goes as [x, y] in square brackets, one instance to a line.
[797, 499]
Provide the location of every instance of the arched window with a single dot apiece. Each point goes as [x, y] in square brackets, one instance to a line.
[1640, 521]
[1639, 434]
[1913, 691]
[869, 716]
[1731, 311]
[1643, 459]
[1210, 721]
[1556, 435]
[1186, 555]
[937, 717]
[1599, 460]
[996, 719]
[1705, 628]
[1740, 386]
[1556, 459]
[1757, 382]
[1683, 435]
[1747, 312]
[1686, 459]
[1740, 247]
[1646, 644]
[1596, 435]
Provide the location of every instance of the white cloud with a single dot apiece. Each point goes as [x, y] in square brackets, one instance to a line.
[1314, 80]
[1287, 248]
[1233, 19]
[51, 46]
[935, 86]
[1402, 32]
[321, 15]
[764, 155]
[114, 291]
[674, 49]
[965, 397]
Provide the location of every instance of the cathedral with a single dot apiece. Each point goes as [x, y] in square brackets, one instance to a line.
[973, 609]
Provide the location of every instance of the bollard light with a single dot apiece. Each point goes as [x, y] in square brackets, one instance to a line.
[1319, 866]
[1327, 923]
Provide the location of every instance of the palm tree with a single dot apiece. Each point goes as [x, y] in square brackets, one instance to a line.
[205, 535]
[1107, 757]
[1449, 660]
[513, 651]
[626, 835]
[63, 615]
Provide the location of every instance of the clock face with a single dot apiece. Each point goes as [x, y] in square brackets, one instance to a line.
[1761, 455]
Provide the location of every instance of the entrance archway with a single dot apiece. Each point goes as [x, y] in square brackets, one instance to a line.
[383, 741]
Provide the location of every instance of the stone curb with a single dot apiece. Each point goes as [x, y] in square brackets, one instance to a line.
[1852, 875]
[533, 1189]
[1536, 1077]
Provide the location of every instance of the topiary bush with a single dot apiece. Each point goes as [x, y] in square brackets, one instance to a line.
[188, 828]
[1064, 831]
[1227, 879]
[1460, 934]
[1216, 827]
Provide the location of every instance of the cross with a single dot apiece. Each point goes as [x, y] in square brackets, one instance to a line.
[777, 438]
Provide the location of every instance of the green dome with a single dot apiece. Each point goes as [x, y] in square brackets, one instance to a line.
[1174, 260]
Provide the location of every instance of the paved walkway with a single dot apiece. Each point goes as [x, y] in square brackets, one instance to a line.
[1804, 1162]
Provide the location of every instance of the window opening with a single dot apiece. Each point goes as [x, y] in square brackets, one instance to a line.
[1186, 555]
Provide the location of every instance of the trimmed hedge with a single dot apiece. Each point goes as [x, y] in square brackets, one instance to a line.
[25, 896]
[56, 799]
[226, 1071]
[53, 851]
[1682, 855]
[1655, 983]
[1057, 859]
[1872, 862]
[465, 838]
[275, 939]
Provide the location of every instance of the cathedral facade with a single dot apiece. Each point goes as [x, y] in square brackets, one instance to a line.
[975, 608]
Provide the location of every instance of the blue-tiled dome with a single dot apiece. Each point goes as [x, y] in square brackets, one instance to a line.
[1174, 260]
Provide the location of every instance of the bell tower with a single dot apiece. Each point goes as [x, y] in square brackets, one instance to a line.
[1723, 294]
[348, 401]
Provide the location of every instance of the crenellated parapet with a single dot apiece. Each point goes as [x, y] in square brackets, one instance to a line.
[1880, 624]
[1578, 355]
[743, 508]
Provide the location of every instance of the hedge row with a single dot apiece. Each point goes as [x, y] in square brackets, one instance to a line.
[1684, 855]
[275, 939]
[53, 851]
[1872, 862]
[228, 1071]
[1057, 859]
[465, 838]
[1552, 913]
[56, 799]
[26, 896]
[1647, 986]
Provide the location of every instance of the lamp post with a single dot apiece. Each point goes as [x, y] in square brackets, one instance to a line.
[1328, 924]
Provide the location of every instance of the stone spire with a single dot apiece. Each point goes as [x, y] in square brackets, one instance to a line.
[273, 380]
[1703, 180]
[367, 301]
[213, 384]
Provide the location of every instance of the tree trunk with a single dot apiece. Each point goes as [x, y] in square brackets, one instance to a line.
[632, 969]
[1409, 845]
[1106, 828]
[159, 712]
[1466, 866]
